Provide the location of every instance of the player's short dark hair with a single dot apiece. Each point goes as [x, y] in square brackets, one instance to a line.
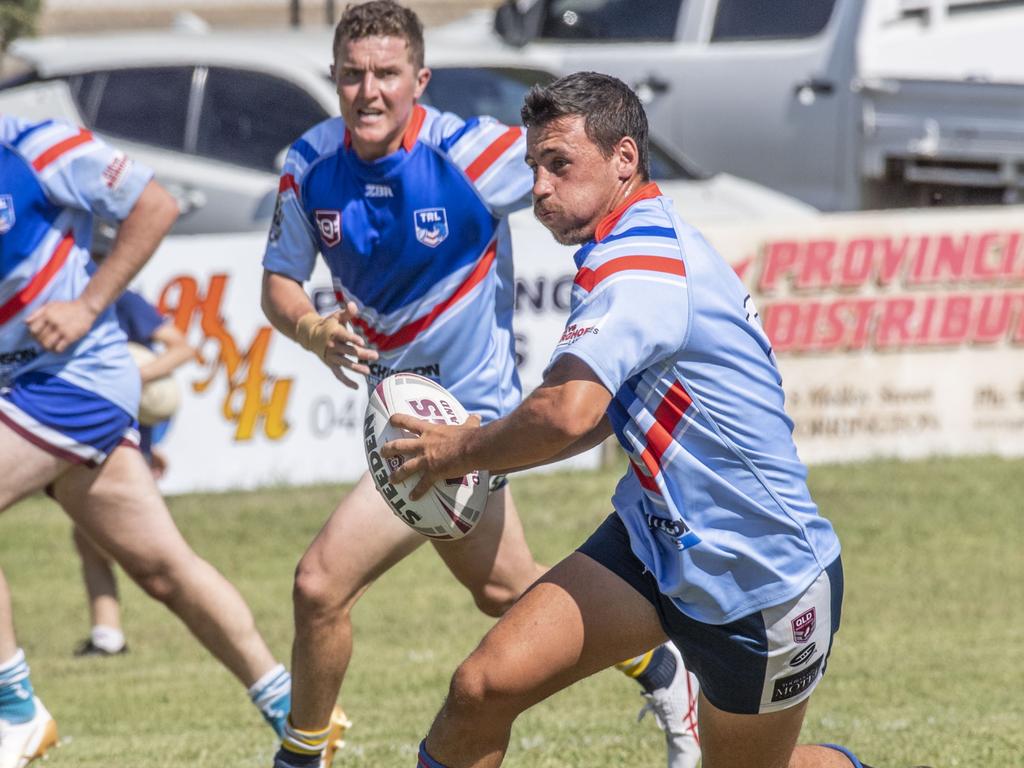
[384, 18]
[609, 108]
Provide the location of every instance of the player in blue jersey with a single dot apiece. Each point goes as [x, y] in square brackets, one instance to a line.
[68, 394]
[142, 324]
[715, 541]
[408, 208]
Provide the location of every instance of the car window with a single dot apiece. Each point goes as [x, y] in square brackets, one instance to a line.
[247, 117]
[610, 20]
[779, 19]
[499, 92]
[470, 91]
[145, 104]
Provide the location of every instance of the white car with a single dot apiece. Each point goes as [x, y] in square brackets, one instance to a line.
[212, 113]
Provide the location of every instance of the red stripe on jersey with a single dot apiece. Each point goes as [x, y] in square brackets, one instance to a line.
[672, 407]
[667, 416]
[39, 280]
[607, 224]
[288, 182]
[408, 332]
[60, 148]
[646, 481]
[587, 278]
[486, 158]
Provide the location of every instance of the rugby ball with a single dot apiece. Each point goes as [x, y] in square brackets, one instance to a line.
[160, 397]
[451, 508]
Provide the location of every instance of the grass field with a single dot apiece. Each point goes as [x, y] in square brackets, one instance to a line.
[928, 668]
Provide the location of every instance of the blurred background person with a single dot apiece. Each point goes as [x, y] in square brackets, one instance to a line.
[143, 324]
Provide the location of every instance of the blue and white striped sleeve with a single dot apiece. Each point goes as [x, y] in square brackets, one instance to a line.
[492, 155]
[78, 170]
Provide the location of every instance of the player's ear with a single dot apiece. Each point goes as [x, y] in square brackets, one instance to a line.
[422, 78]
[627, 158]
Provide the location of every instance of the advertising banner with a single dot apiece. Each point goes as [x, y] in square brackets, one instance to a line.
[897, 333]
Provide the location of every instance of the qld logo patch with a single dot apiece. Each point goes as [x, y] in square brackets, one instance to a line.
[803, 626]
[329, 224]
[431, 226]
[6, 214]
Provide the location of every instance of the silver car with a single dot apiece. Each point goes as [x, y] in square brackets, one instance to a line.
[212, 113]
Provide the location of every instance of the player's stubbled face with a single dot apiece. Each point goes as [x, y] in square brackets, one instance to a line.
[574, 185]
[377, 87]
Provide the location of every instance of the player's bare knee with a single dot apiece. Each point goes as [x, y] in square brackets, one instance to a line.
[157, 581]
[479, 686]
[316, 595]
[495, 599]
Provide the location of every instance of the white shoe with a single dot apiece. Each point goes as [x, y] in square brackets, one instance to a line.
[22, 743]
[675, 710]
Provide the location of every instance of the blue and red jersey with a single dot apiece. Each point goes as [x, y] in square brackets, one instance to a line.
[419, 240]
[54, 179]
[715, 499]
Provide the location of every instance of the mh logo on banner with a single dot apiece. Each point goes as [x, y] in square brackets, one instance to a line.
[431, 226]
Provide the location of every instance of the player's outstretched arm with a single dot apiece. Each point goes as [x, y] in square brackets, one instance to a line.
[330, 338]
[59, 324]
[563, 416]
[176, 352]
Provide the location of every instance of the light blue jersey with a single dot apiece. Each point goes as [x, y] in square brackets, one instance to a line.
[716, 501]
[419, 240]
[54, 179]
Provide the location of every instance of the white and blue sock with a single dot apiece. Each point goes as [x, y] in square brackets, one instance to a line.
[17, 698]
[272, 695]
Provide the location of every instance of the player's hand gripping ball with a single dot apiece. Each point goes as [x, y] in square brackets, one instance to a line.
[452, 507]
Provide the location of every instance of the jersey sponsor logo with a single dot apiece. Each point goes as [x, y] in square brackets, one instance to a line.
[6, 214]
[574, 333]
[431, 226]
[116, 170]
[378, 190]
[380, 372]
[803, 626]
[329, 224]
[788, 687]
[804, 655]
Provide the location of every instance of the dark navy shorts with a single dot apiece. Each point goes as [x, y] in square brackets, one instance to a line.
[764, 662]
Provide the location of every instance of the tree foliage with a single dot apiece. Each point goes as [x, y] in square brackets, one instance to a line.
[17, 18]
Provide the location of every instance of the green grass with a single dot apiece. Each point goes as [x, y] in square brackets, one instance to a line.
[928, 668]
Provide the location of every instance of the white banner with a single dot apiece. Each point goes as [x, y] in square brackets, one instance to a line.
[898, 334]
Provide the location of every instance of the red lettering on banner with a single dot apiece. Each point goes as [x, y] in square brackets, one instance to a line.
[858, 261]
[919, 260]
[924, 323]
[780, 259]
[780, 325]
[991, 257]
[893, 255]
[894, 324]
[955, 320]
[253, 395]
[817, 265]
[950, 263]
[993, 319]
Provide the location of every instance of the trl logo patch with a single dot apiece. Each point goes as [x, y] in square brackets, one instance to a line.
[431, 226]
[329, 224]
[6, 214]
[803, 626]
